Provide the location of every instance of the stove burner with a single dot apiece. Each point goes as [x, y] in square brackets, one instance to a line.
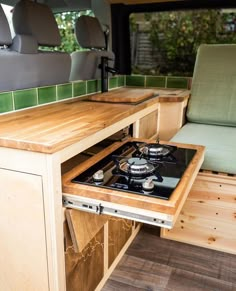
[136, 167]
[156, 150]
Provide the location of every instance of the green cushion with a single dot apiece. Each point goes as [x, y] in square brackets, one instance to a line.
[220, 142]
[213, 93]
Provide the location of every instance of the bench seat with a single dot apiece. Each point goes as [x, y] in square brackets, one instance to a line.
[220, 143]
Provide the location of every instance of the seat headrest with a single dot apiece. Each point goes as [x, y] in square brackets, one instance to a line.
[89, 34]
[5, 33]
[36, 19]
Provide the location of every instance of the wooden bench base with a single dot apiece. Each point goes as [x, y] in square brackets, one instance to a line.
[208, 218]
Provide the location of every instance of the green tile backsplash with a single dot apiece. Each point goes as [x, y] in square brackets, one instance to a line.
[25, 98]
[113, 82]
[177, 82]
[121, 81]
[64, 91]
[47, 94]
[155, 81]
[79, 88]
[6, 102]
[92, 86]
[134, 80]
[20, 99]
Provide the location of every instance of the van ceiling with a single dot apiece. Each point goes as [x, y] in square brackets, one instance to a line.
[58, 5]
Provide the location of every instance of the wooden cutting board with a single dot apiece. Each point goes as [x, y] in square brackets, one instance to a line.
[123, 95]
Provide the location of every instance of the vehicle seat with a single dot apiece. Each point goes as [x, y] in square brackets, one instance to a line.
[90, 36]
[35, 23]
[211, 110]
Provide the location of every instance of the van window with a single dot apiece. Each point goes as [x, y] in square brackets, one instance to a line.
[165, 43]
[66, 24]
[8, 12]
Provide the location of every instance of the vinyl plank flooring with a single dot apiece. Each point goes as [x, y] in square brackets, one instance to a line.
[141, 273]
[184, 256]
[156, 264]
[181, 280]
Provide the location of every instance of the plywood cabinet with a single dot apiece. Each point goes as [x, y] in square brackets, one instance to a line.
[89, 267]
[23, 258]
[147, 126]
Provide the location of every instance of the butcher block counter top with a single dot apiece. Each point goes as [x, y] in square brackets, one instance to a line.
[53, 127]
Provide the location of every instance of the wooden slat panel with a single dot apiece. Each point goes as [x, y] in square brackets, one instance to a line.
[208, 217]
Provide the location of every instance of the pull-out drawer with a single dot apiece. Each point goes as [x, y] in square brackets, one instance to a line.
[98, 199]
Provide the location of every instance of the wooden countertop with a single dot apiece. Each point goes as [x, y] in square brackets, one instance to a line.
[52, 127]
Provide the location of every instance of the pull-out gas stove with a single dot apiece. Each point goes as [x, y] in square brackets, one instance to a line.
[146, 182]
[150, 169]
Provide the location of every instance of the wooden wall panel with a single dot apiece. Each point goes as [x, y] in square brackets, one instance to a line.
[208, 217]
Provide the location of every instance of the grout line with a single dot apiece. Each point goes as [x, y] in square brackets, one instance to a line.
[13, 101]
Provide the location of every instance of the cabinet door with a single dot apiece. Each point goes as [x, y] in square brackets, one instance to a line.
[23, 260]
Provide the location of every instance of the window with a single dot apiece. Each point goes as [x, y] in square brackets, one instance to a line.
[66, 24]
[8, 12]
[165, 43]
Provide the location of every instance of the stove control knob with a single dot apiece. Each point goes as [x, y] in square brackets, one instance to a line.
[98, 176]
[148, 184]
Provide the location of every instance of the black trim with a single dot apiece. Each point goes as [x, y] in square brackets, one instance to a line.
[120, 23]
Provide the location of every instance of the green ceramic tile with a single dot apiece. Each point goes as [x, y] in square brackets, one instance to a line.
[99, 85]
[155, 81]
[64, 91]
[25, 98]
[6, 102]
[137, 81]
[79, 88]
[92, 86]
[177, 82]
[113, 82]
[47, 94]
[121, 81]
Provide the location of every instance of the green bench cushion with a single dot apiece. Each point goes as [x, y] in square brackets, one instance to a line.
[213, 93]
[220, 142]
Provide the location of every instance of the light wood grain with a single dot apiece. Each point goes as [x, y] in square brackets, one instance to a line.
[123, 95]
[83, 227]
[53, 127]
[208, 217]
[23, 258]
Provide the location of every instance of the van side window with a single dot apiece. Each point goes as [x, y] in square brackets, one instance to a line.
[165, 43]
[8, 12]
[66, 24]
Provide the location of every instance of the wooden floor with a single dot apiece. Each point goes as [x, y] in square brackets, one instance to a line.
[152, 263]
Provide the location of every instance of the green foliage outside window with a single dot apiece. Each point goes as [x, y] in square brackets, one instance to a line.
[175, 37]
[66, 24]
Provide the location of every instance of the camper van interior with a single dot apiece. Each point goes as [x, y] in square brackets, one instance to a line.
[117, 145]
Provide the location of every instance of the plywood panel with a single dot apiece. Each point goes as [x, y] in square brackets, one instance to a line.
[23, 257]
[119, 231]
[148, 125]
[83, 227]
[208, 217]
[84, 270]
